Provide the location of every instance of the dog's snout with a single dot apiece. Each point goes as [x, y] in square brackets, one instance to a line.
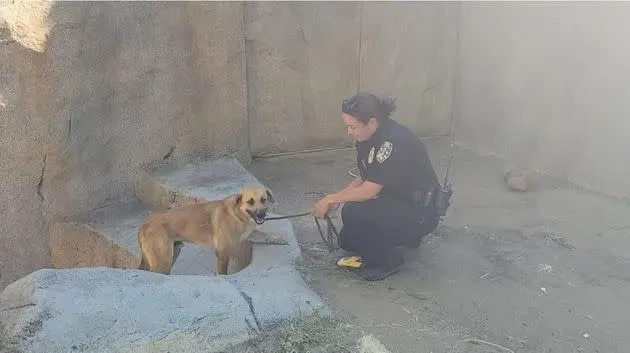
[261, 214]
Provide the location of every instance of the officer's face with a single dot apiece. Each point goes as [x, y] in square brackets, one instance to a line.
[357, 129]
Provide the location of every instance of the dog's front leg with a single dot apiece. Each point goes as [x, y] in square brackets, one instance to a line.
[223, 260]
[244, 255]
[260, 237]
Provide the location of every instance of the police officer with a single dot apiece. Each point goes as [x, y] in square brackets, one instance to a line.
[389, 204]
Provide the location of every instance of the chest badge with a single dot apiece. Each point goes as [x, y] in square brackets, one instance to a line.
[371, 156]
[384, 152]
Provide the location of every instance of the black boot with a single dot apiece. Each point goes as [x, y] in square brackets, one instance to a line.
[381, 270]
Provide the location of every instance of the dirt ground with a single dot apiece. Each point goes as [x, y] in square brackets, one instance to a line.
[524, 271]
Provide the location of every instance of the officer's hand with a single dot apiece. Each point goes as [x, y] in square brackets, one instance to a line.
[321, 207]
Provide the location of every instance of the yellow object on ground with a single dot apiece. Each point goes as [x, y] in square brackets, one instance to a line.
[352, 261]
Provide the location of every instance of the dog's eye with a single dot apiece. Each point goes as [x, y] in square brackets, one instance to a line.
[262, 200]
[250, 202]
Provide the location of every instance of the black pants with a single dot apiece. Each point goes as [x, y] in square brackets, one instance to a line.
[374, 228]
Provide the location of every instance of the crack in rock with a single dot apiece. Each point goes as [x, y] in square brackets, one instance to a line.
[41, 179]
[18, 307]
[69, 129]
[250, 326]
[248, 299]
[169, 153]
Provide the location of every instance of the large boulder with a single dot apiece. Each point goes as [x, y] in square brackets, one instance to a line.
[102, 309]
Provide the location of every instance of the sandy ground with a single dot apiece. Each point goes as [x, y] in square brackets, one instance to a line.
[544, 271]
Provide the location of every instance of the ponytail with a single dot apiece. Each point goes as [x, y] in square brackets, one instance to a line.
[388, 106]
[364, 106]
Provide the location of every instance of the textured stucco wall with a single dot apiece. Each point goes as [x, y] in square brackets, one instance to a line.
[409, 51]
[546, 85]
[304, 58]
[119, 85]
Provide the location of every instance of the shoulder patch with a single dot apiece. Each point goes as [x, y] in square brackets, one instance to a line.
[384, 152]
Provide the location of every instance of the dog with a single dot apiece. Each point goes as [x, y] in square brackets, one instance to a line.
[228, 225]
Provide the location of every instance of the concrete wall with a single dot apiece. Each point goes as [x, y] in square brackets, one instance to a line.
[119, 85]
[304, 58]
[409, 50]
[546, 85]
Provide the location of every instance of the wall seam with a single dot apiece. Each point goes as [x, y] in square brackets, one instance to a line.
[248, 148]
[360, 56]
[456, 102]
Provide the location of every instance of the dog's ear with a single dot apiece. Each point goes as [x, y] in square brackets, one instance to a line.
[270, 196]
[239, 198]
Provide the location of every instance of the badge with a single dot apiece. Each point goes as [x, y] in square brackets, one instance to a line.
[384, 152]
[371, 156]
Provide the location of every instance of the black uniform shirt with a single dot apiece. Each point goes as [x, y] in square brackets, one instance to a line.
[396, 159]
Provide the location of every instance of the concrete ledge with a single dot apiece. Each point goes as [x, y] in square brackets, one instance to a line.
[78, 245]
[104, 237]
[171, 185]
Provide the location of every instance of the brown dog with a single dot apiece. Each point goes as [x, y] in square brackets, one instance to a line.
[228, 225]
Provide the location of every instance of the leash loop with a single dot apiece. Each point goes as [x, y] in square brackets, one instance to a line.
[330, 229]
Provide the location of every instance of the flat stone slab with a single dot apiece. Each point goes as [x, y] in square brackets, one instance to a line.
[104, 237]
[172, 185]
[117, 310]
[119, 223]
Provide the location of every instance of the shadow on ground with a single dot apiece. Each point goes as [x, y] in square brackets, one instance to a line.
[544, 271]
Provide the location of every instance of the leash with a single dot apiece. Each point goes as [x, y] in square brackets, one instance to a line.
[289, 216]
[331, 231]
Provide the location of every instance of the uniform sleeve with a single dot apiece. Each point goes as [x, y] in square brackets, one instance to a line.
[385, 163]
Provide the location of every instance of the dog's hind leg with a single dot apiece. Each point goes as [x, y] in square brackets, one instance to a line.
[164, 259]
[158, 251]
[144, 265]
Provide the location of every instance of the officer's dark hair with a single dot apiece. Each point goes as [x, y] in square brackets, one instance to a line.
[364, 106]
